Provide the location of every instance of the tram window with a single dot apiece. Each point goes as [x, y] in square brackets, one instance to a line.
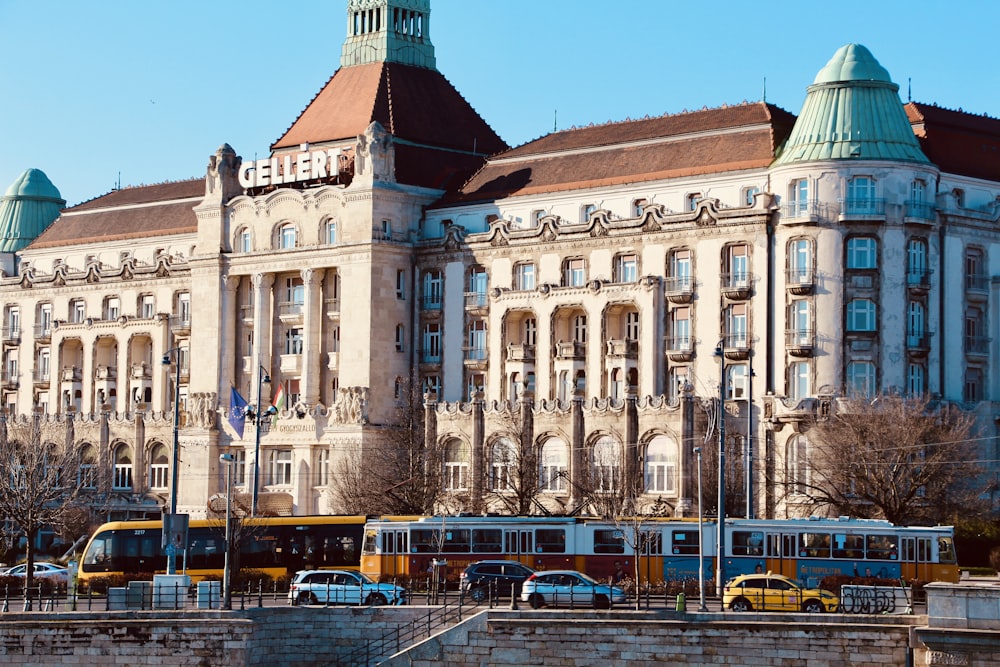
[424, 540]
[487, 540]
[370, 539]
[456, 541]
[99, 551]
[609, 542]
[400, 542]
[747, 543]
[814, 545]
[684, 541]
[387, 544]
[946, 550]
[552, 541]
[882, 547]
[848, 546]
[651, 543]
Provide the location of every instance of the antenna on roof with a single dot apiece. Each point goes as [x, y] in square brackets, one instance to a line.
[909, 89]
[764, 99]
[555, 123]
[118, 183]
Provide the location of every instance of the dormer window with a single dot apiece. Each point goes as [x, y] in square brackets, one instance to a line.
[692, 200]
[586, 211]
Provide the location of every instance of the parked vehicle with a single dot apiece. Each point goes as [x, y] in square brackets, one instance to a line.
[502, 576]
[56, 574]
[774, 592]
[341, 587]
[562, 587]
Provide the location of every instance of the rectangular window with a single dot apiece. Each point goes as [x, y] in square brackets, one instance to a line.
[862, 253]
[293, 340]
[684, 542]
[147, 307]
[524, 279]
[77, 311]
[401, 284]
[431, 352]
[432, 290]
[400, 338]
[748, 543]
[632, 325]
[736, 326]
[113, 308]
[281, 467]
[861, 315]
[627, 268]
[580, 329]
[530, 331]
[550, 540]
[609, 541]
[800, 262]
[576, 272]
[798, 380]
[915, 380]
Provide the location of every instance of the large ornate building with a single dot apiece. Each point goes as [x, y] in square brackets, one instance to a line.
[598, 287]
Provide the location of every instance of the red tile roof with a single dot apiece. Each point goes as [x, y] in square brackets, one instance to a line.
[411, 103]
[138, 212]
[956, 141]
[687, 144]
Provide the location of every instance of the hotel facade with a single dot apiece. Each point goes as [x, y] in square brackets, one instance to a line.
[599, 288]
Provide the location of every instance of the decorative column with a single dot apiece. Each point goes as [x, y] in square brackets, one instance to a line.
[262, 297]
[230, 314]
[312, 343]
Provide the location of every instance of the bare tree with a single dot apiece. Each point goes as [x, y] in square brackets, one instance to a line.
[905, 460]
[735, 464]
[41, 485]
[401, 475]
[511, 463]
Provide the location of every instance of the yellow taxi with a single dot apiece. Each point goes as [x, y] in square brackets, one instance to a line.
[774, 592]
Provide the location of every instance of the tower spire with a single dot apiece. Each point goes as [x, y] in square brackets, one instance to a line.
[388, 31]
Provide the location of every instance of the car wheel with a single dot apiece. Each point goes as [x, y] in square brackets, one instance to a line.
[812, 607]
[536, 601]
[377, 600]
[478, 594]
[741, 604]
[602, 602]
[305, 597]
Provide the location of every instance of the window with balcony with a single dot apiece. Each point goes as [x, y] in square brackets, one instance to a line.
[737, 266]
[861, 379]
[476, 341]
[12, 322]
[322, 477]
[975, 270]
[574, 272]
[798, 380]
[530, 331]
[580, 329]
[660, 465]
[330, 232]
[43, 321]
[432, 384]
[477, 288]
[916, 323]
[800, 319]
[159, 468]
[553, 465]
[976, 341]
[798, 198]
[287, 236]
[737, 332]
[184, 308]
[431, 343]
[862, 253]
[861, 199]
[861, 315]
[800, 262]
[632, 325]
[916, 262]
[456, 466]
[524, 276]
[606, 465]
[42, 365]
[294, 338]
[626, 268]
[679, 337]
[736, 381]
[280, 467]
[679, 272]
[797, 470]
[122, 457]
[433, 286]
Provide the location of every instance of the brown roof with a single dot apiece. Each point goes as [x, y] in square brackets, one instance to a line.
[411, 103]
[687, 144]
[956, 141]
[151, 210]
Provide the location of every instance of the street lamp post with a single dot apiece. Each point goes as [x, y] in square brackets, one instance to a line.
[263, 377]
[175, 351]
[227, 598]
[701, 541]
[720, 350]
[748, 465]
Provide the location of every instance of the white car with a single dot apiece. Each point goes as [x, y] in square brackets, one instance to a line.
[341, 587]
[57, 574]
[569, 587]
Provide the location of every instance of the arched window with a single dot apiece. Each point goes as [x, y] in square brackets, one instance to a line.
[287, 236]
[88, 468]
[243, 242]
[553, 465]
[456, 466]
[606, 464]
[797, 464]
[123, 468]
[323, 467]
[159, 468]
[330, 232]
[660, 465]
[503, 465]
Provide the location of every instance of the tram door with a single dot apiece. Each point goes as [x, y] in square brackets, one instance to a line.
[394, 552]
[782, 553]
[917, 557]
[519, 543]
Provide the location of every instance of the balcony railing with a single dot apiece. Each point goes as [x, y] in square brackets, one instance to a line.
[40, 376]
[476, 300]
[43, 332]
[736, 346]
[736, 285]
[571, 350]
[800, 342]
[12, 335]
[430, 302]
[71, 374]
[180, 323]
[332, 307]
[623, 348]
[475, 353]
[679, 348]
[977, 345]
[920, 210]
[918, 280]
[977, 282]
[800, 281]
[520, 352]
[861, 208]
[9, 377]
[679, 289]
[918, 345]
[107, 372]
[799, 209]
[290, 310]
[430, 356]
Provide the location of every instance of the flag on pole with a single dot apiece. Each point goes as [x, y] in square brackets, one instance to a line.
[278, 403]
[237, 411]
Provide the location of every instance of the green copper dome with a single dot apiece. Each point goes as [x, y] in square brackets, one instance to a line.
[30, 205]
[852, 111]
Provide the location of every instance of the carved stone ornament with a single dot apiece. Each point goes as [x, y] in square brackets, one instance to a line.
[705, 218]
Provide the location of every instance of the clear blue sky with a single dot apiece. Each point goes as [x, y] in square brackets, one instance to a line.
[150, 88]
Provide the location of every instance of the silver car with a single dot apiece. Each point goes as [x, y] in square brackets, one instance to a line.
[569, 587]
[341, 587]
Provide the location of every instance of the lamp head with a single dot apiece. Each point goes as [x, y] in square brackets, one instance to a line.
[266, 379]
[227, 458]
[166, 360]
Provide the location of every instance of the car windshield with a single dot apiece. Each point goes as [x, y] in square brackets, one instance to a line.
[365, 579]
[588, 579]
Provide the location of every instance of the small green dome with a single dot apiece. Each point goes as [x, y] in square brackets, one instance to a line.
[852, 62]
[852, 112]
[30, 205]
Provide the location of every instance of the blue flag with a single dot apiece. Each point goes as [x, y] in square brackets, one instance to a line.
[237, 411]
